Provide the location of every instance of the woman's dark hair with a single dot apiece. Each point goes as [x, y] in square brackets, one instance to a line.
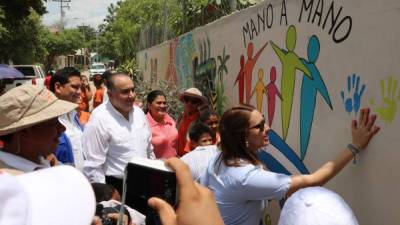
[233, 129]
[197, 129]
[151, 96]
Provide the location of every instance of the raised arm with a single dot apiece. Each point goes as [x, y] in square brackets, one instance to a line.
[362, 132]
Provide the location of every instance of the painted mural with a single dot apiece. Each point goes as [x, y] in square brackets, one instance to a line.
[309, 66]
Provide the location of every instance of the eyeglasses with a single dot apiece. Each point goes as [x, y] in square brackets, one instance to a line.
[260, 126]
[194, 101]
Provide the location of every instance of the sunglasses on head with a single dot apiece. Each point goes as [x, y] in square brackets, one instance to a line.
[192, 100]
[260, 126]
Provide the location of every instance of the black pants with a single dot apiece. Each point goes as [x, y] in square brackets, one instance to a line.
[132, 201]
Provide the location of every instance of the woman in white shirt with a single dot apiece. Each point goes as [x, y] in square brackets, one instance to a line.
[241, 183]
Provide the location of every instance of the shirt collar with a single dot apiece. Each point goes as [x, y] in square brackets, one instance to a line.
[152, 122]
[114, 110]
[22, 164]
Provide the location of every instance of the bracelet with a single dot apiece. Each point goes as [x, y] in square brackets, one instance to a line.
[354, 150]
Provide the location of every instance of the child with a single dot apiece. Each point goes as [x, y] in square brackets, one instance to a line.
[200, 135]
[201, 138]
[211, 119]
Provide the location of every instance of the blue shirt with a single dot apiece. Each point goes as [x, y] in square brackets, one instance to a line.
[240, 191]
[64, 150]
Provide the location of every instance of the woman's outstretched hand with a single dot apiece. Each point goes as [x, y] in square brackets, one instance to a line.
[364, 129]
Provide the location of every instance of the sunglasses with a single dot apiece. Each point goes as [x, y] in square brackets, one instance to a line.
[260, 126]
[194, 101]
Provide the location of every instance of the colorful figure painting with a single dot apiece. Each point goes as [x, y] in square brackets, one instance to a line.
[290, 64]
[240, 80]
[309, 90]
[272, 92]
[171, 70]
[184, 56]
[259, 90]
[249, 66]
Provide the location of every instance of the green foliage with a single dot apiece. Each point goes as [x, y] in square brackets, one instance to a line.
[142, 88]
[21, 42]
[175, 107]
[88, 35]
[63, 43]
[20, 31]
[130, 68]
[133, 25]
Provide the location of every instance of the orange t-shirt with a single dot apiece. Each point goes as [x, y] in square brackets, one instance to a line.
[84, 117]
[98, 97]
[183, 128]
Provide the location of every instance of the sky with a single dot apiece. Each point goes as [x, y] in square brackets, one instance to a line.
[81, 12]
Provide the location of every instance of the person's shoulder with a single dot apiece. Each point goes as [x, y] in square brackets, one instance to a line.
[138, 111]
[240, 174]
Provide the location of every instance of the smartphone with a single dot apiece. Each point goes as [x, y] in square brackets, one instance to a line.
[148, 178]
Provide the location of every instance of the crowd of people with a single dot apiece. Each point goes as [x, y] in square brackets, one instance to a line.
[42, 130]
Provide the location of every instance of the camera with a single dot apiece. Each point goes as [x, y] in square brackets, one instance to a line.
[146, 178]
[103, 213]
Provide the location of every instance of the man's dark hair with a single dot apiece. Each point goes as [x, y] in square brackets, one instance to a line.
[110, 82]
[62, 76]
[198, 129]
[106, 76]
[102, 192]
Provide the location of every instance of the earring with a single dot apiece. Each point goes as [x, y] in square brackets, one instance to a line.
[246, 141]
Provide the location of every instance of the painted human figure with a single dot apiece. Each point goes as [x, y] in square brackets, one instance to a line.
[272, 92]
[259, 89]
[290, 63]
[171, 70]
[309, 90]
[249, 66]
[240, 79]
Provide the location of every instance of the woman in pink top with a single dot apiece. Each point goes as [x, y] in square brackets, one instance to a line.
[163, 127]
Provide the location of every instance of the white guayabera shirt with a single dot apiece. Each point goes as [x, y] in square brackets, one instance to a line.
[110, 141]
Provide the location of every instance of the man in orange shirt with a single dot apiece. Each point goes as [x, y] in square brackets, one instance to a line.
[192, 99]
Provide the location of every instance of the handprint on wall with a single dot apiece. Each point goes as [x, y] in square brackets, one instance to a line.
[352, 99]
[387, 110]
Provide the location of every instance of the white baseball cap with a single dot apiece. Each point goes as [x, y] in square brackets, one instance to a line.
[59, 195]
[316, 206]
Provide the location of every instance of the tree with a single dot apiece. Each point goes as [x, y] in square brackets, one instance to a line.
[133, 25]
[20, 31]
[63, 43]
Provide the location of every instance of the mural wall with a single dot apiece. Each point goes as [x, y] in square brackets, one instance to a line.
[309, 66]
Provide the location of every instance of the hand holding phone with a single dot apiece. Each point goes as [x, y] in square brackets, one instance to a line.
[196, 205]
[148, 178]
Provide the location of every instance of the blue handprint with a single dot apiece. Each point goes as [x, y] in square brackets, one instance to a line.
[353, 103]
